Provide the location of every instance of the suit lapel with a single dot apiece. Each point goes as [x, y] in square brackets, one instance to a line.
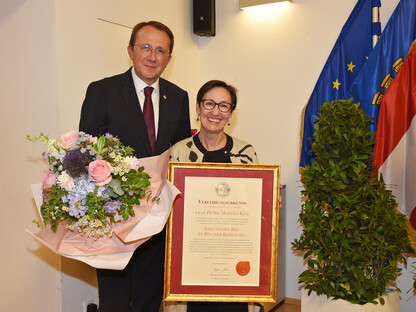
[139, 129]
[163, 131]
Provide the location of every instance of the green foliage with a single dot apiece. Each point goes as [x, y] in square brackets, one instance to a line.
[353, 237]
[137, 183]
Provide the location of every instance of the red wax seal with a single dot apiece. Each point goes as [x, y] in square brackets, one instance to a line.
[243, 267]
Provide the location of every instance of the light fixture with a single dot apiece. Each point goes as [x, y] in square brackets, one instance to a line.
[248, 3]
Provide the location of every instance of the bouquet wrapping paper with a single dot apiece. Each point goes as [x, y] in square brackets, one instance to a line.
[115, 252]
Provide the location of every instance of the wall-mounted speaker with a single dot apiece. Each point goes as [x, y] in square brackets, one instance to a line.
[204, 17]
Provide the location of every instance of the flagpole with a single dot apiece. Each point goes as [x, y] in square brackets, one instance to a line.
[376, 19]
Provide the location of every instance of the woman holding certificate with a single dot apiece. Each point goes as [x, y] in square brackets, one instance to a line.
[216, 101]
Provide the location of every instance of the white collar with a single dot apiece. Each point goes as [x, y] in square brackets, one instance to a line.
[140, 84]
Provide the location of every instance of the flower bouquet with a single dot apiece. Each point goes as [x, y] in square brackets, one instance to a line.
[98, 200]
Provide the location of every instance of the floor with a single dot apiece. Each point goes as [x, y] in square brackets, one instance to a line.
[288, 307]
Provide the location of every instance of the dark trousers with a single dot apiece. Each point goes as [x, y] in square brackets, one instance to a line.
[139, 286]
[217, 307]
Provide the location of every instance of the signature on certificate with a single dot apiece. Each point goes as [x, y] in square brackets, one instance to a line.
[221, 268]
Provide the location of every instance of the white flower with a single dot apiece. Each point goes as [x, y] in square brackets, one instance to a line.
[131, 162]
[65, 181]
[54, 149]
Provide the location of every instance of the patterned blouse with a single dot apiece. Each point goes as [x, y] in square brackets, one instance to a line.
[234, 151]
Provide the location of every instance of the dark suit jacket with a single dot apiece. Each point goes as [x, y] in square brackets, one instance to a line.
[111, 106]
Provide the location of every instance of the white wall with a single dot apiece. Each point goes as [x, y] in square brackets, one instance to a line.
[30, 274]
[77, 29]
[274, 59]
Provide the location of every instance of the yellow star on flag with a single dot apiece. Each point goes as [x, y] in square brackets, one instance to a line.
[336, 84]
[350, 66]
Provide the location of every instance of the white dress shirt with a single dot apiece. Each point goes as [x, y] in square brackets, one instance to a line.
[139, 86]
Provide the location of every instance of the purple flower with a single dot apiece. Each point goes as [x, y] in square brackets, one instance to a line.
[112, 206]
[76, 207]
[75, 163]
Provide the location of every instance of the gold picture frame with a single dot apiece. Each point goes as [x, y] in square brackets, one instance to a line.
[222, 234]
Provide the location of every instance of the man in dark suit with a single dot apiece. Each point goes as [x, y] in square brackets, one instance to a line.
[115, 105]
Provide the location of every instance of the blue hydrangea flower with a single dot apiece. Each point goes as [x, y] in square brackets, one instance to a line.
[82, 187]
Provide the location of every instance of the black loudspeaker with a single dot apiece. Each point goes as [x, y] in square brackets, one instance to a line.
[204, 17]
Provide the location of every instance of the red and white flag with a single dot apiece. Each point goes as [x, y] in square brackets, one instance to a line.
[395, 149]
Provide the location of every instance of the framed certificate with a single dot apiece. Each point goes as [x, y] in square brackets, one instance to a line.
[222, 234]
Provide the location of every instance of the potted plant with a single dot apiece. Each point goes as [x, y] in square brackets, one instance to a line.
[353, 237]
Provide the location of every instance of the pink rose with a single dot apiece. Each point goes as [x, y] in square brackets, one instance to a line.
[69, 140]
[100, 172]
[48, 180]
[93, 140]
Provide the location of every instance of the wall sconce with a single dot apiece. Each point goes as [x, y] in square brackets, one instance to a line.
[248, 3]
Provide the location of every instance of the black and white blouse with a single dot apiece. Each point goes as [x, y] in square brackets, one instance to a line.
[234, 151]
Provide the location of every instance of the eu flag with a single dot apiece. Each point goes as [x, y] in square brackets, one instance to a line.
[346, 59]
[385, 60]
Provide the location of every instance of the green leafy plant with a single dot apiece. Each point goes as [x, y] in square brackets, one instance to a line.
[353, 237]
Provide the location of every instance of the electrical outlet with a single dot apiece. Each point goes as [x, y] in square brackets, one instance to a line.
[85, 304]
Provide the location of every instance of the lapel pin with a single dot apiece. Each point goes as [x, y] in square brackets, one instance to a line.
[164, 97]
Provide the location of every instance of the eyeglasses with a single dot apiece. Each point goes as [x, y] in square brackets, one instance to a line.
[147, 49]
[222, 106]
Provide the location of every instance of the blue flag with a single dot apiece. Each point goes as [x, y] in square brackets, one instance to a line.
[385, 60]
[347, 57]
